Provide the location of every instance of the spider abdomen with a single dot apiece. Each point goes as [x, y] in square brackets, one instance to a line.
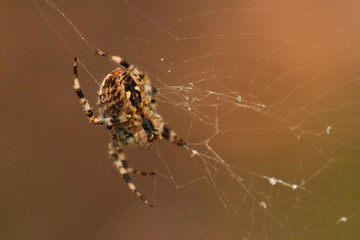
[119, 91]
[123, 94]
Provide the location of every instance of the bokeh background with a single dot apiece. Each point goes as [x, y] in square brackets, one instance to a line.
[216, 63]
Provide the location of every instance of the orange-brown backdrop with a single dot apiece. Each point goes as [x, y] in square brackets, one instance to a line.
[300, 59]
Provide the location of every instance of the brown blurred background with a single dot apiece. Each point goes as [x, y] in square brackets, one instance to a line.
[300, 59]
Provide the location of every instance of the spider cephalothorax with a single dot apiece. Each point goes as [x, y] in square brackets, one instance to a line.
[127, 107]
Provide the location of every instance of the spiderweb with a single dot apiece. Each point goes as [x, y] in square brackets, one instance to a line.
[265, 93]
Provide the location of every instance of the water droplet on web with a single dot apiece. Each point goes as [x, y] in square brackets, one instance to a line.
[194, 152]
[342, 219]
[263, 205]
[272, 181]
[239, 98]
[328, 130]
[162, 59]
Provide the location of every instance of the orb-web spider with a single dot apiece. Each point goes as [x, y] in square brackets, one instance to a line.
[127, 108]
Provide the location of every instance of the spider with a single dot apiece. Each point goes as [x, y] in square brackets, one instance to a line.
[127, 108]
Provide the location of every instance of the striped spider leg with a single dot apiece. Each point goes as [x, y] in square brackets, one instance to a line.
[120, 163]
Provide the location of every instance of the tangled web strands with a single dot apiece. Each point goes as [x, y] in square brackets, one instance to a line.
[268, 99]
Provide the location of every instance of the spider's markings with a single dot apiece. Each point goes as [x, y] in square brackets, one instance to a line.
[132, 91]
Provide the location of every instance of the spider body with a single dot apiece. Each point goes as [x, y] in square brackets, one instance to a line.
[127, 107]
[123, 95]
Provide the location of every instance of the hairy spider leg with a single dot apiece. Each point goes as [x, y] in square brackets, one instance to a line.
[122, 62]
[171, 136]
[131, 170]
[83, 100]
[154, 91]
[134, 171]
[120, 164]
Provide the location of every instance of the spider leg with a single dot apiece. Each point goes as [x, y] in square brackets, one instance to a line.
[134, 171]
[120, 163]
[154, 90]
[171, 136]
[84, 101]
[122, 62]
